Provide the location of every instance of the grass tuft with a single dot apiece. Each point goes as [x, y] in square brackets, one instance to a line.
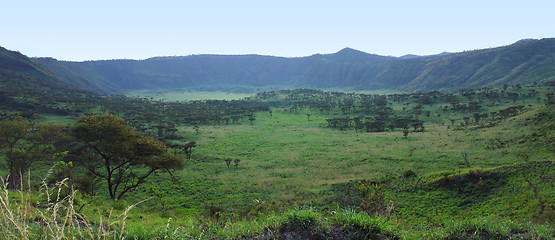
[53, 215]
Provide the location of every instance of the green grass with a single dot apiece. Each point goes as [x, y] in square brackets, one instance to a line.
[186, 95]
[55, 119]
[288, 161]
[297, 177]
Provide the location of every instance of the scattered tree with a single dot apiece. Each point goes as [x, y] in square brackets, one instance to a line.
[26, 143]
[121, 157]
[465, 157]
[478, 116]
[188, 148]
[406, 132]
[466, 120]
[550, 97]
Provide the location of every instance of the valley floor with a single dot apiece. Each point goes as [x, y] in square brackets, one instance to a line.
[288, 173]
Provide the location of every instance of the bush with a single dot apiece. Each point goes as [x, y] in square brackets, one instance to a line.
[409, 173]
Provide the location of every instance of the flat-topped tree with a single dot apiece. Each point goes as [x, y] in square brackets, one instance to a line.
[251, 119]
[120, 156]
[26, 143]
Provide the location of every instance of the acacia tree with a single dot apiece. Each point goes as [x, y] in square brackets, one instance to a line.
[26, 143]
[406, 132]
[251, 119]
[120, 156]
[186, 148]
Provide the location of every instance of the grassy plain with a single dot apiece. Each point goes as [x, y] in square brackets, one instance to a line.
[184, 95]
[287, 159]
[294, 169]
[290, 162]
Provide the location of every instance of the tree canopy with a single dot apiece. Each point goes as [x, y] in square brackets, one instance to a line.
[26, 142]
[120, 156]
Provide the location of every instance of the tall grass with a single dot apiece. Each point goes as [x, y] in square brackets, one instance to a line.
[483, 228]
[50, 214]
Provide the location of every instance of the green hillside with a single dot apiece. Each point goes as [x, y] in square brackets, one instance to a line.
[525, 62]
[28, 87]
[18, 75]
[80, 76]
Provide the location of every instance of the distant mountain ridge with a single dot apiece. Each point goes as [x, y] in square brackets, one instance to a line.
[411, 56]
[524, 62]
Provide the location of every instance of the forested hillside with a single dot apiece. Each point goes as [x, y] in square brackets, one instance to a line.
[19, 74]
[525, 62]
[26, 86]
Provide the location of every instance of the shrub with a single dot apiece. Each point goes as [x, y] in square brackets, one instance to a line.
[409, 173]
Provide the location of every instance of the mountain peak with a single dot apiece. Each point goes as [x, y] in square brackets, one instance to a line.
[349, 55]
[350, 51]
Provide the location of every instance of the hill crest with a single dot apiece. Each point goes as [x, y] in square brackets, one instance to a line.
[524, 62]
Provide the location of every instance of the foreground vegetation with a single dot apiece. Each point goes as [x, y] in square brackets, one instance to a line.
[55, 217]
[305, 164]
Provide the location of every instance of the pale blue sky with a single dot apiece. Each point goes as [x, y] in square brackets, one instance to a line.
[90, 30]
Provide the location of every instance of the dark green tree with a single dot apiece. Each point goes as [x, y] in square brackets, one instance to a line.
[120, 156]
[549, 98]
[466, 120]
[26, 143]
[406, 132]
[188, 149]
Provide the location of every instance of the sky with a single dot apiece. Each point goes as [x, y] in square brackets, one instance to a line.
[75, 30]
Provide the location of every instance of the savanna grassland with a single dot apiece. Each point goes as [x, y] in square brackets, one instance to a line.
[309, 164]
[290, 159]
